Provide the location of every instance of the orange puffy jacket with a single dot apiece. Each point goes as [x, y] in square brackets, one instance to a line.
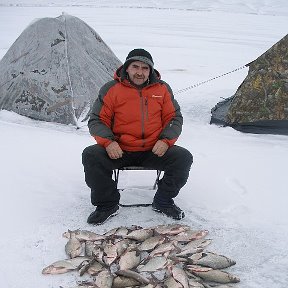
[135, 117]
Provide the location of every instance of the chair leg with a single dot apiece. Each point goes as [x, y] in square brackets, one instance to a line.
[116, 176]
[157, 179]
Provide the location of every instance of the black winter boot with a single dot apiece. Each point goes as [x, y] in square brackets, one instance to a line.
[170, 210]
[101, 214]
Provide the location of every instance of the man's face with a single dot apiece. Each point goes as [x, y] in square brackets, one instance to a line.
[138, 72]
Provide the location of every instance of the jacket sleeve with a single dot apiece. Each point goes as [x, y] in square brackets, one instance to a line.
[101, 117]
[172, 119]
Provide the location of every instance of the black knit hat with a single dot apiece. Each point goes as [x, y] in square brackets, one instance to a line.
[139, 55]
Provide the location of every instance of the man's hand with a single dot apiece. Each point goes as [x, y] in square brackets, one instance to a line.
[160, 148]
[114, 151]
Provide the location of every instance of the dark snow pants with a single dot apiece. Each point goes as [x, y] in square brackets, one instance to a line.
[98, 168]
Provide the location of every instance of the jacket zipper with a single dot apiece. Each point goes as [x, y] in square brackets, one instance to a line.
[142, 116]
[146, 107]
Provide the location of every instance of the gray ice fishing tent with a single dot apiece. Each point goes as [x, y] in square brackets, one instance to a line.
[54, 70]
[260, 104]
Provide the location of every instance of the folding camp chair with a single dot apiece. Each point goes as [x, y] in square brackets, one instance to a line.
[116, 173]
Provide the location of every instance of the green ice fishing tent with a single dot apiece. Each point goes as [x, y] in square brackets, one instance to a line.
[260, 104]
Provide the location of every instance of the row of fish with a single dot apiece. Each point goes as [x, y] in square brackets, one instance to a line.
[171, 256]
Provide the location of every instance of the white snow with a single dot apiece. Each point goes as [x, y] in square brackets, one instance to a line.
[237, 187]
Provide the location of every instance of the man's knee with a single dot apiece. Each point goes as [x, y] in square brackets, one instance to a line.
[181, 157]
[186, 156]
[93, 153]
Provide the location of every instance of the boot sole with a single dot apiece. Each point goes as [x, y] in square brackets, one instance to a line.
[159, 211]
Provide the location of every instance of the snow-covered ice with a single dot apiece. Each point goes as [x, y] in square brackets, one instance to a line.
[237, 187]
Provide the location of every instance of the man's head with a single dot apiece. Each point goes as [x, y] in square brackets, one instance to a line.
[138, 65]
